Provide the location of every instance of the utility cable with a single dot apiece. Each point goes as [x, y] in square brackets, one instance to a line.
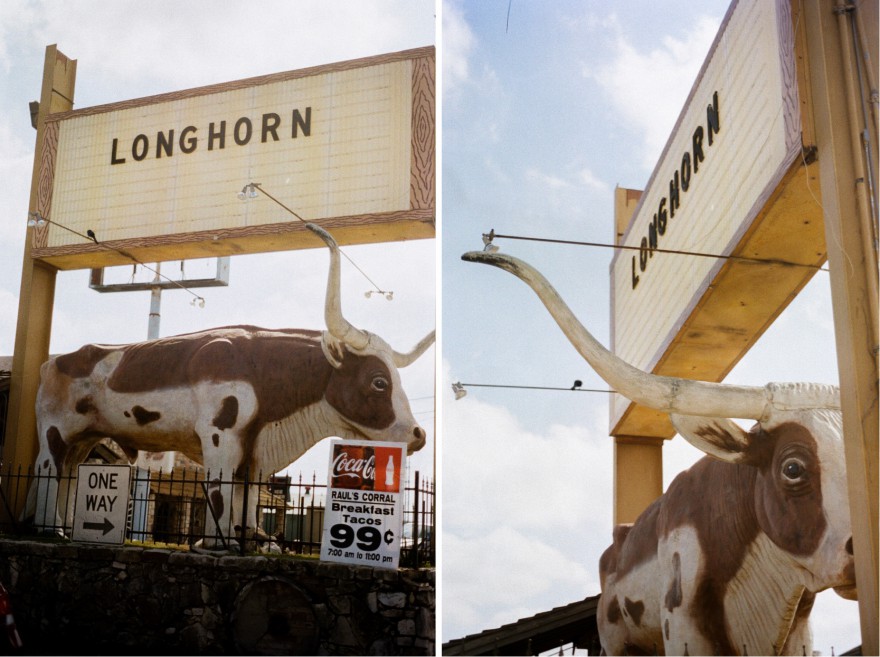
[771, 261]
[90, 235]
[386, 293]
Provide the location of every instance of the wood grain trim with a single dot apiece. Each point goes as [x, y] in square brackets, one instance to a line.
[46, 181]
[424, 135]
[403, 55]
[788, 74]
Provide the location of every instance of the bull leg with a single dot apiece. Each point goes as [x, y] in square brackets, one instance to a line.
[612, 626]
[41, 506]
[223, 494]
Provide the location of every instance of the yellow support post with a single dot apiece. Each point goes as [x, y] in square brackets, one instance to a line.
[36, 299]
[638, 475]
[842, 138]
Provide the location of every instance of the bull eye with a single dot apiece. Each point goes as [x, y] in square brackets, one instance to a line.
[380, 384]
[793, 469]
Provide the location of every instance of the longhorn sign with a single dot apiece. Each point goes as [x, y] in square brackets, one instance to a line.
[734, 552]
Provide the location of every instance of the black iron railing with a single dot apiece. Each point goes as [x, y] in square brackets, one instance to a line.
[175, 508]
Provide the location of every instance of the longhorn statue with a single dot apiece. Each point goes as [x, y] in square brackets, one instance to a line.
[730, 558]
[240, 400]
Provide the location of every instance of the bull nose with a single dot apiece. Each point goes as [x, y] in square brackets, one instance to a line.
[848, 546]
[420, 435]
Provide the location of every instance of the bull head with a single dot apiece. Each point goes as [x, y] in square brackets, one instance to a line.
[342, 336]
[699, 412]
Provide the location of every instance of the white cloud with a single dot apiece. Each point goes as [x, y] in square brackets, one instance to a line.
[589, 179]
[525, 515]
[545, 179]
[185, 44]
[458, 44]
[659, 79]
[581, 178]
[510, 575]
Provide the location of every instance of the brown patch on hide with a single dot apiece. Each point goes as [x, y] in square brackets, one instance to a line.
[57, 448]
[228, 414]
[634, 610]
[80, 363]
[215, 438]
[85, 405]
[142, 416]
[612, 611]
[673, 595]
[215, 498]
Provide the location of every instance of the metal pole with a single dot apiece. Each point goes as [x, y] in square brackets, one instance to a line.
[155, 306]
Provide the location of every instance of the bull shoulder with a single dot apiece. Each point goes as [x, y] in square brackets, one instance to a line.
[717, 500]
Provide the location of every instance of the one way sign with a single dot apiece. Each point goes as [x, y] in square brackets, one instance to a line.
[101, 511]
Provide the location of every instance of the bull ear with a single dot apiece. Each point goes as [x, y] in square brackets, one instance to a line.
[334, 349]
[718, 437]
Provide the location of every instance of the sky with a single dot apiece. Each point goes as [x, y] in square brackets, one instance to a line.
[546, 109]
[128, 50]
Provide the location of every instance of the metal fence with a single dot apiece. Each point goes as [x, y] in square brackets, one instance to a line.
[175, 508]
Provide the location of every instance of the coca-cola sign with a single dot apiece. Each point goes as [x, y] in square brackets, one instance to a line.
[355, 466]
[364, 514]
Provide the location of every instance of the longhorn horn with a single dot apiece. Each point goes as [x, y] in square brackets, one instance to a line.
[337, 324]
[402, 360]
[663, 393]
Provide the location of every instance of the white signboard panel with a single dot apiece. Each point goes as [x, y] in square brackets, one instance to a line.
[734, 140]
[330, 145]
[364, 510]
[101, 510]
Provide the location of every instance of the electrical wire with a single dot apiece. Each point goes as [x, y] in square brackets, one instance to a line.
[354, 264]
[771, 261]
[499, 385]
[90, 235]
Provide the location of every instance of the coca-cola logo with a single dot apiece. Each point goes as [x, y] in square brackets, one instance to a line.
[344, 465]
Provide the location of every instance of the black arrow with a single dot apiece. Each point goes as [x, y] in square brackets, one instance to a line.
[106, 525]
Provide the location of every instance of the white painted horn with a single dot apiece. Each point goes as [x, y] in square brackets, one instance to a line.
[337, 324]
[402, 360]
[663, 393]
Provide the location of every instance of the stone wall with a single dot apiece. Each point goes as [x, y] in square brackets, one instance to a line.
[78, 599]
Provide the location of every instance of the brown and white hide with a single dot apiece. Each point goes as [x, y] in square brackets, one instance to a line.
[729, 560]
[243, 401]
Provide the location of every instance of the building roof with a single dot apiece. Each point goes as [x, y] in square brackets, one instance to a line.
[572, 623]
